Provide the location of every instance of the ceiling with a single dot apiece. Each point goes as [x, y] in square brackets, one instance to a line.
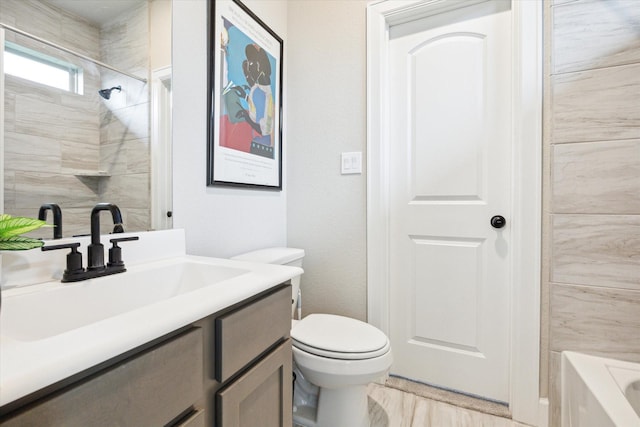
[96, 11]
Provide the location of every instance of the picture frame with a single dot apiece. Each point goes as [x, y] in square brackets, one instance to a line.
[245, 60]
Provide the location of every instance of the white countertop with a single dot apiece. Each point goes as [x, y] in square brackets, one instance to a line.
[27, 366]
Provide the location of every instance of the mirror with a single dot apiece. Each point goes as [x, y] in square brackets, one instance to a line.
[89, 136]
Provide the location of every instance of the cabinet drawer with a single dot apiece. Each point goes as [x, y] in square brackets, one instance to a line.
[244, 334]
[149, 390]
[261, 396]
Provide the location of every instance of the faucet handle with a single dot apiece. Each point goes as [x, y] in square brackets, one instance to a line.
[74, 269]
[124, 239]
[115, 252]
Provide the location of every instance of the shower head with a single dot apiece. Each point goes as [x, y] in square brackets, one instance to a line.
[106, 93]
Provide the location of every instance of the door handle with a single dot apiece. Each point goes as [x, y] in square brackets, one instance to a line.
[498, 221]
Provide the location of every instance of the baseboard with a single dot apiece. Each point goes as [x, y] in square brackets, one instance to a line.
[543, 412]
[465, 401]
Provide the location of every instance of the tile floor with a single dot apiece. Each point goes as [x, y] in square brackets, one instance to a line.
[390, 407]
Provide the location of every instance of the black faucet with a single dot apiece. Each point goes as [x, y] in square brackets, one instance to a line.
[57, 218]
[95, 251]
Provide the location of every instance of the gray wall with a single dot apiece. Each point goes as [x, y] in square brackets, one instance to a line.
[592, 182]
[326, 211]
[218, 221]
[324, 109]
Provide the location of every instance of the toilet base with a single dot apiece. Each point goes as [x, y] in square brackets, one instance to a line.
[337, 407]
[343, 407]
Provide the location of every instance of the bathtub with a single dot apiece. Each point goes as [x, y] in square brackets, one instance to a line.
[599, 392]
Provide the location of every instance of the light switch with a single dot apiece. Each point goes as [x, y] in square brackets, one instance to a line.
[351, 163]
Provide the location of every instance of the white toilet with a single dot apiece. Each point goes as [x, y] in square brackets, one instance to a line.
[338, 354]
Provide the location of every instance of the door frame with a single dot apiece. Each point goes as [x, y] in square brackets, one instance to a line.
[161, 149]
[527, 25]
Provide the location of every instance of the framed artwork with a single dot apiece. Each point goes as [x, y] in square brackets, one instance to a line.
[245, 99]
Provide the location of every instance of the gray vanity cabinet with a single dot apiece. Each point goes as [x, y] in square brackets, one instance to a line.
[194, 419]
[230, 369]
[253, 363]
[150, 389]
[262, 395]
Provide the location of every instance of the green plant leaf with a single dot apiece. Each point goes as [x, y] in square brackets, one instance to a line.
[18, 243]
[16, 225]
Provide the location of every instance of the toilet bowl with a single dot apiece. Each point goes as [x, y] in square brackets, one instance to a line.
[341, 356]
[338, 355]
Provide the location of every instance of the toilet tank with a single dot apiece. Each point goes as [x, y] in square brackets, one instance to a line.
[280, 256]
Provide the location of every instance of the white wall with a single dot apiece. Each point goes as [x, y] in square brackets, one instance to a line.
[319, 210]
[326, 211]
[218, 221]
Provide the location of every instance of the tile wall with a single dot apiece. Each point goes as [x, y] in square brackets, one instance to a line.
[124, 119]
[592, 213]
[56, 140]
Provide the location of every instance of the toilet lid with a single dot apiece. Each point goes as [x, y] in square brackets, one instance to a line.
[339, 337]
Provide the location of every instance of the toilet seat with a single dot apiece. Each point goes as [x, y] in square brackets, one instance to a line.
[340, 355]
[338, 337]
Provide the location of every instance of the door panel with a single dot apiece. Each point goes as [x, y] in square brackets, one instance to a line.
[450, 173]
[450, 140]
[452, 302]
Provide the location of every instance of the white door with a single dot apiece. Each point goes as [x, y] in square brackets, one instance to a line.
[450, 127]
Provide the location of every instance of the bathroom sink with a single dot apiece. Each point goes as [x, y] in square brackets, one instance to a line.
[52, 331]
[57, 308]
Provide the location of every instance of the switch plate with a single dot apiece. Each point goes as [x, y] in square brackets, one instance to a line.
[351, 163]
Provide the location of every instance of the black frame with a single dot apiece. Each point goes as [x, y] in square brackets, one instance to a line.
[214, 89]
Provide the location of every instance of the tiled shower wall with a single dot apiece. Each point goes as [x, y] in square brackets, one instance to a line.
[124, 119]
[592, 215]
[55, 140]
[49, 132]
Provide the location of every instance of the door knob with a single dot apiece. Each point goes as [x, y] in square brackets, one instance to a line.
[498, 221]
